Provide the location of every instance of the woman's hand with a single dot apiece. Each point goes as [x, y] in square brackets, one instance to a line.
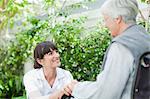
[69, 87]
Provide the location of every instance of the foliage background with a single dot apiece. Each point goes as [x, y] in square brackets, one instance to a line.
[81, 55]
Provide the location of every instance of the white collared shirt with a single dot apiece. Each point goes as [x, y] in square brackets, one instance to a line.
[34, 80]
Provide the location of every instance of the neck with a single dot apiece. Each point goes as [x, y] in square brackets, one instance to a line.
[123, 27]
[49, 73]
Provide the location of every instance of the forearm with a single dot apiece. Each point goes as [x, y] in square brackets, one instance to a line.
[55, 95]
[40, 97]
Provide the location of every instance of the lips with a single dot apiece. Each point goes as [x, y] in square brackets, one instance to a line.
[56, 60]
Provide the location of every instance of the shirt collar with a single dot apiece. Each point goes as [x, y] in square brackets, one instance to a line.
[60, 74]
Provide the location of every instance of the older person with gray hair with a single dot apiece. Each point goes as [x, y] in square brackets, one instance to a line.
[121, 60]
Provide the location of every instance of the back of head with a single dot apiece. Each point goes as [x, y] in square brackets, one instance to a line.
[128, 9]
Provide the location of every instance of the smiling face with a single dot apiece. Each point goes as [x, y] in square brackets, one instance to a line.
[46, 55]
[51, 59]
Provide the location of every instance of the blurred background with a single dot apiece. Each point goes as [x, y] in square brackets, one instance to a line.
[74, 25]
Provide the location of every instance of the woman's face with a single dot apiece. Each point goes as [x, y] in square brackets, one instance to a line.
[51, 59]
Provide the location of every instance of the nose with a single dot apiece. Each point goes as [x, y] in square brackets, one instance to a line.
[102, 25]
[56, 54]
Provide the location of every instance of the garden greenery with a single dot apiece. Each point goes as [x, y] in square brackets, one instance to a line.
[82, 56]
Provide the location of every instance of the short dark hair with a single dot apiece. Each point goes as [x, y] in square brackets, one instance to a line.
[41, 49]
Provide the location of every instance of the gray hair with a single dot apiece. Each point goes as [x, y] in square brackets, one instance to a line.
[128, 9]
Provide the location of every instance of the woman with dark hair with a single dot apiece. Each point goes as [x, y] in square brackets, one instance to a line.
[46, 80]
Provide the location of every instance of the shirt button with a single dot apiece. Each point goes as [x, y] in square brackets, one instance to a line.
[136, 90]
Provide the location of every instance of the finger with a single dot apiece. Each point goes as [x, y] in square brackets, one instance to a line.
[72, 84]
[60, 96]
[74, 81]
[67, 89]
[61, 93]
[66, 93]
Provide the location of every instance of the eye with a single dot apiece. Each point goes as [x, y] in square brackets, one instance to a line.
[56, 51]
[50, 53]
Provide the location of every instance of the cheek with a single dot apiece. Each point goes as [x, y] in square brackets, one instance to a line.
[114, 31]
[109, 24]
[49, 60]
[106, 24]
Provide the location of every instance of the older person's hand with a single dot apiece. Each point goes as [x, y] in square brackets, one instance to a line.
[69, 87]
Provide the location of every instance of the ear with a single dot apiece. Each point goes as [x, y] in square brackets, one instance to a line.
[39, 61]
[118, 20]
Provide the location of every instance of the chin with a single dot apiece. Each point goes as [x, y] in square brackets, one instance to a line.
[56, 64]
[59, 65]
[113, 35]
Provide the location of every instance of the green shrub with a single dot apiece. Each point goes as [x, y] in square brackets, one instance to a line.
[82, 56]
[14, 57]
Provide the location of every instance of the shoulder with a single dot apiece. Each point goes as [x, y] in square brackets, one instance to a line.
[31, 72]
[119, 48]
[120, 56]
[31, 75]
[119, 51]
[64, 73]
